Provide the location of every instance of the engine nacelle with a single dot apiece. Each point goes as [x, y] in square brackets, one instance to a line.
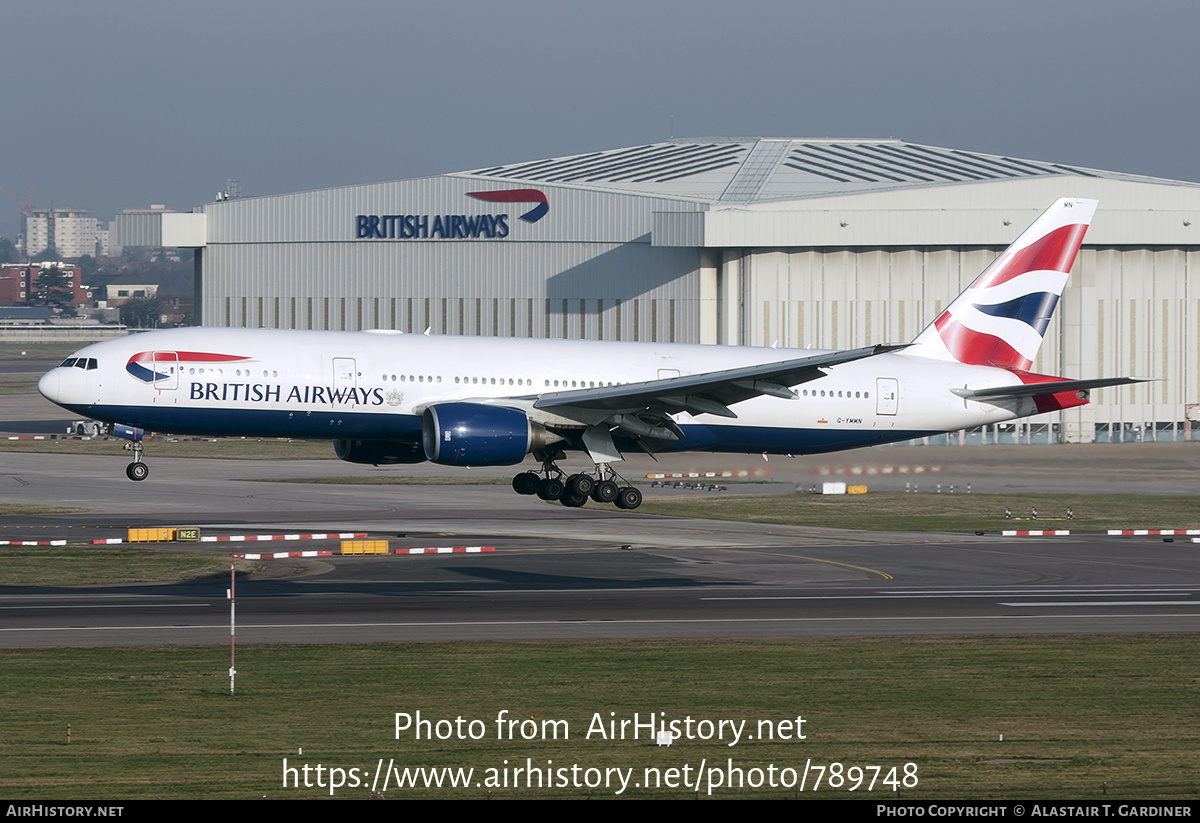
[378, 452]
[128, 432]
[474, 434]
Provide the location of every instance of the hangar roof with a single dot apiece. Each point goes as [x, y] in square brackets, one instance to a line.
[742, 171]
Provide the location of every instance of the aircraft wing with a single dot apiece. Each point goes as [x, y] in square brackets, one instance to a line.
[706, 393]
[1048, 387]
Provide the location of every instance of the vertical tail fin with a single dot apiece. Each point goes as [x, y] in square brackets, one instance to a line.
[1001, 318]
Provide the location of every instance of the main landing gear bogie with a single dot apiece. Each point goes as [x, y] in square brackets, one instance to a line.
[550, 488]
[606, 491]
[526, 483]
[575, 491]
[629, 498]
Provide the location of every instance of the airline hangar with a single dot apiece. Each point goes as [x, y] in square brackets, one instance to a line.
[796, 243]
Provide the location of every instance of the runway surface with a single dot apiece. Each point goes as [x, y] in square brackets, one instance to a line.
[558, 573]
[561, 573]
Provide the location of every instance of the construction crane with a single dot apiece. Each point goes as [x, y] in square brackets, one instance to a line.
[25, 206]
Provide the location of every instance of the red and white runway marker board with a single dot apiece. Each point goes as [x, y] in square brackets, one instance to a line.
[447, 550]
[278, 555]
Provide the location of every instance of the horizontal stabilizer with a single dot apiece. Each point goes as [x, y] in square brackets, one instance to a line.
[1050, 387]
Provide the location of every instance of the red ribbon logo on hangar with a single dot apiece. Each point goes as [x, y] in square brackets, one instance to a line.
[517, 196]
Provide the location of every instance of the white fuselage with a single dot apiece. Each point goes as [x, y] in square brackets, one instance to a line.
[376, 385]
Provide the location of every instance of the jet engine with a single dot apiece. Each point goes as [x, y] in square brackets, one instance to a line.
[378, 452]
[474, 434]
[128, 432]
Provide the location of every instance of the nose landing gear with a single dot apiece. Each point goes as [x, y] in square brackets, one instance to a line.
[137, 470]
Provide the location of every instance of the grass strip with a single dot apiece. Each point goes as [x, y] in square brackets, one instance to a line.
[900, 511]
[25, 509]
[230, 448]
[1086, 718]
[55, 352]
[65, 566]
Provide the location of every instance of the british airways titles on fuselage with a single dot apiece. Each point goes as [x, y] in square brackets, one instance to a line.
[272, 393]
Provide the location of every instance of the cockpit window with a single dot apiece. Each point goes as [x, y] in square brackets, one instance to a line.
[92, 364]
[81, 363]
[68, 363]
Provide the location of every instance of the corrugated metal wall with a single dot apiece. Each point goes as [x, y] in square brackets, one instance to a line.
[1124, 312]
[586, 270]
[585, 291]
[328, 216]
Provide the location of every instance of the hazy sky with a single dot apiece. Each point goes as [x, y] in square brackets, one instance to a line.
[123, 103]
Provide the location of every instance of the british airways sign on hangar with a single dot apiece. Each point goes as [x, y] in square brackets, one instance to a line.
[453, 226]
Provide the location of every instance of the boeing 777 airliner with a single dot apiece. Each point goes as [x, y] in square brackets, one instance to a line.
[388, 397]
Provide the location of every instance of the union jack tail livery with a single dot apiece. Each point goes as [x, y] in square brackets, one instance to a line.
[1001, 318]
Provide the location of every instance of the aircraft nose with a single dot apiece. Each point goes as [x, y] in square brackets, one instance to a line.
[50, 385]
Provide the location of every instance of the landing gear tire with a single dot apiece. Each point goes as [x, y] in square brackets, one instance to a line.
[580, 485]
[606, 491]
[574, 501]
[526, 483]
[628, 498]
[551, 488]
[137, 471]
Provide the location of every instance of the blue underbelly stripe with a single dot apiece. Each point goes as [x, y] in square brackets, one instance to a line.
[331, 425]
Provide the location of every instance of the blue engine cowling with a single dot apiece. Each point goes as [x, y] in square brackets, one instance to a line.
[378, 452]
[472, 434]
[128, 432]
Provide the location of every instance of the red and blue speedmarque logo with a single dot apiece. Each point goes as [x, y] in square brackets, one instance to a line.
[453, 226]
[166, 359]
[517, 196]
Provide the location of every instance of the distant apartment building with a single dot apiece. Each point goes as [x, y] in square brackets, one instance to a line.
[117, 294]
[69, 232]
[20, 286]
